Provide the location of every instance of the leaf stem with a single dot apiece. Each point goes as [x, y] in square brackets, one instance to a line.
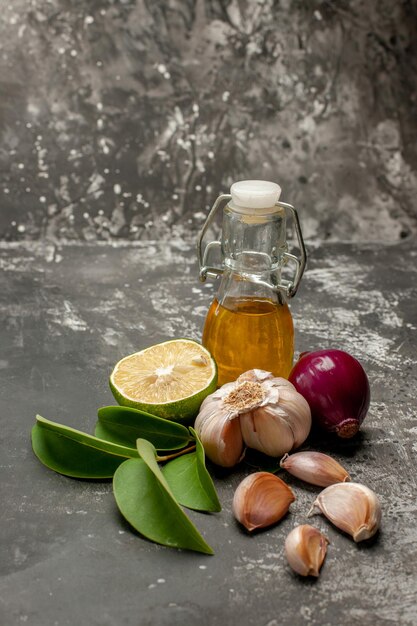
[168, 457]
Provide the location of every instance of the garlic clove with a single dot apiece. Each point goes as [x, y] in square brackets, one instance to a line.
[267, 431]
[260, 500]
[315, 468]
[221, 436]
[297, 412]
[305, 549]
[351, 507]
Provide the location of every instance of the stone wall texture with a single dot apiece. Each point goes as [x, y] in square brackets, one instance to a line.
[125, 119]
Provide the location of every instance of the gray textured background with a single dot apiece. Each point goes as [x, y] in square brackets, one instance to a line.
[124, 119]
[121, 121]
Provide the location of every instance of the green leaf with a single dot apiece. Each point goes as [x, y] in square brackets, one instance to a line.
[73, 453]
[190, 481]
[146, 501]
[124, 425]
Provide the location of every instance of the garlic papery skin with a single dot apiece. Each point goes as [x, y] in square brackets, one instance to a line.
[351, 507]
[261, 500]
[315, 468]
[221, 436]
[305, 549]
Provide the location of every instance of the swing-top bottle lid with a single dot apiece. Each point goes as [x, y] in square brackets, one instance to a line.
[254, 195]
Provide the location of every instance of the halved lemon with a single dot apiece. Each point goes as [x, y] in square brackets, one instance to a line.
[170, 379]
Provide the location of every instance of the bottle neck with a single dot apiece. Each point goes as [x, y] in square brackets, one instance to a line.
[253, 244]
[252, 248]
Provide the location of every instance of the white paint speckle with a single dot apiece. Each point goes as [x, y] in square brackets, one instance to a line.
[67, 316]
[19, 556]
[112, 337]
[105, 148]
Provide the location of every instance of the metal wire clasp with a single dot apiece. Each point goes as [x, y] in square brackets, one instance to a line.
[288, 286]
[205, 268]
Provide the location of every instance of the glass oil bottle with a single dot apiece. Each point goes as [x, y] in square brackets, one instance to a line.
[249, 324]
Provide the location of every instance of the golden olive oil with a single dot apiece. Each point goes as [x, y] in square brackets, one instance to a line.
[248, 333]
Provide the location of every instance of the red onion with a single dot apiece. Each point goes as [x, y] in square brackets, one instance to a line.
[336, 387]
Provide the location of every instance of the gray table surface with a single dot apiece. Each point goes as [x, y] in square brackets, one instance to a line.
[68, 313]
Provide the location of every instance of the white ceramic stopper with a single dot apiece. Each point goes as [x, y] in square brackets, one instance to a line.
[248, 195]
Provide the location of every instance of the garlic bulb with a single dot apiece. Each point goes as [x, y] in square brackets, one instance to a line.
[315, 468]
[351, 507]
[274, 418]
[305, 549]
[260, 500]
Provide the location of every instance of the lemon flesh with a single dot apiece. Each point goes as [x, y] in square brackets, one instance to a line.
[170, 379]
